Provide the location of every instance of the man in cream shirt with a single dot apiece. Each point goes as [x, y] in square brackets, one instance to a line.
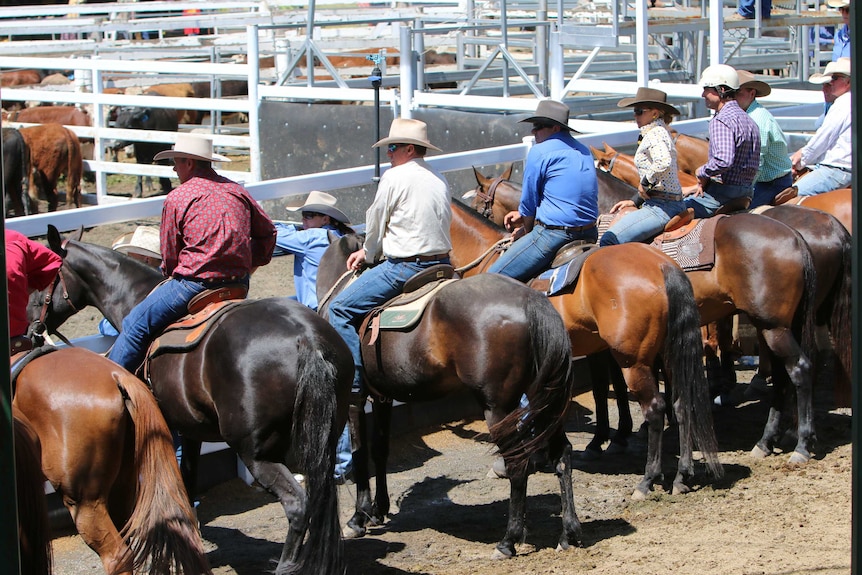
[407, 224]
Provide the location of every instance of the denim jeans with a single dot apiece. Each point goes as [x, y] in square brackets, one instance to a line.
[822, 178]
[716, 195]
[765, 192]
[165, 305]
[375, 286]
[746, 9]
[533, 253]
[343, 455]
[642, 224]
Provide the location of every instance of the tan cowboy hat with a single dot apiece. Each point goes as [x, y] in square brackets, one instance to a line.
[144, 241]
[194, 147]
[649, 98]
[322, 203]
[550, 111]
[840, 66]
[746, 80]
[838, 3]
[406, 131]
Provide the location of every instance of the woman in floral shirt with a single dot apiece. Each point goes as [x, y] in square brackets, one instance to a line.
[660, 195]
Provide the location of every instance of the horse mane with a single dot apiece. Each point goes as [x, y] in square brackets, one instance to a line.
[475, 216]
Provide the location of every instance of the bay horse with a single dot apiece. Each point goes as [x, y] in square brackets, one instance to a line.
[765, 269]
[34, 537]
[271, 379]
[691, 152]
[636, 302]
[623, 167]
[492, 336]
[839, 203]
[106, 448]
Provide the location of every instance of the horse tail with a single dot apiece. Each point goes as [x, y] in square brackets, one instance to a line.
[314, 438]
[33, 524]
[525, 431]
[840, 326]
[161, 531]
[683, 362]
[804, 321]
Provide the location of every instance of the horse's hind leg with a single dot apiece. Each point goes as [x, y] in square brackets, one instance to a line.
[96, 528]
[517, 513]
[642, 383]
[603, 367]
[356, 525]
[279, 481]
[560, 452]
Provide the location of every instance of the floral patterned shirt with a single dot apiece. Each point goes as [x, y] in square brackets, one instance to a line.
[655, 159]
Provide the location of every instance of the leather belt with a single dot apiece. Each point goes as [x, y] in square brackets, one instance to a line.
[568, 229]
[416, 259]
[842, 168]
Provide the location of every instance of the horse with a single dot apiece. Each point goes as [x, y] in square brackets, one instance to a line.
[271, 379]
[623, 167]
[34, 538]
[492, 336]
[691, 152]
[650, 313]
[775, 260]
[106, 448]
[839, 203]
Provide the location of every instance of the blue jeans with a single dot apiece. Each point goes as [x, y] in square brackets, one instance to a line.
[706, 205]
[343, 454]
[745, 8]
[163, 306]
[642, 224]
[533, 253]
[822, 178]
[765, 192]
[375, 286]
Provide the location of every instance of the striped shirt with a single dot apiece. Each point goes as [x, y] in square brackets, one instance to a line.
[734, 147]
[774, 158]
[655, 159]
[212, 229]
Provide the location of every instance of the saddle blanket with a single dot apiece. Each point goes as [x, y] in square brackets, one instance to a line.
[694, 251]
[406, 315]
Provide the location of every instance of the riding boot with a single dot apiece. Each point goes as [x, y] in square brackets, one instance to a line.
[355, 413]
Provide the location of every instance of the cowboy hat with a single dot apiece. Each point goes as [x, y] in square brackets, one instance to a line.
[144, 241]
[840, 66]
[406, 131]
[746, 80]
[838, 3]
[550, 111]
[194, 147]
[322, 203]
[649, 98]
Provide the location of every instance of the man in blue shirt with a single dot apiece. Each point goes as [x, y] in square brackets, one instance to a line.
[841, 48]
[559, 198]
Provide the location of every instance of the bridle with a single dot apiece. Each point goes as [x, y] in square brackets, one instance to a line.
[488, 198]
[609, 168]
[38, 327]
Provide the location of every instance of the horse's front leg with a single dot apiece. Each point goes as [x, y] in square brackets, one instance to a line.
[356, 525]
[382, 411]
[560, 451]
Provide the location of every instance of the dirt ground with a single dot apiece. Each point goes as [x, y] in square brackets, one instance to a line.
[763, 517]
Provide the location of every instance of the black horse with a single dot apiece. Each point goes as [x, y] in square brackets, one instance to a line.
[160, 119]
[494, 337]
[271, 379]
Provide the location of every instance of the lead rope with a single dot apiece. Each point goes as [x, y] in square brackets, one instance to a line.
[499, 246]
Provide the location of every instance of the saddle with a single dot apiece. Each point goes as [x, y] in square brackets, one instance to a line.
[693, 246]
[735, 205]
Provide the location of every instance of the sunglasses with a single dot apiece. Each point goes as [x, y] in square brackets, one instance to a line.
[538, 127]
[311, 215]
[393, 147]
[639, 111]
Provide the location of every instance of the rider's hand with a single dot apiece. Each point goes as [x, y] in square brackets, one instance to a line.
[622, 204]
[512, 220]
[356, 259]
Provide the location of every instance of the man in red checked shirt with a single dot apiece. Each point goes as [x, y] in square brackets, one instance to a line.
[212, 233]
[30, 267]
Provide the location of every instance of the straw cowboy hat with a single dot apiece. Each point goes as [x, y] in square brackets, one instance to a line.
[746, 80]
[840, 66]
[550, 111]
[144, 241]
[194, 147]
[322, 203]
[405, 131]
[649, 98]
[838, 3]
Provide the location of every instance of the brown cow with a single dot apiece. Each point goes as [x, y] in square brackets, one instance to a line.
[20, 78]
[54, 150]
[181, 90]
[66, 115]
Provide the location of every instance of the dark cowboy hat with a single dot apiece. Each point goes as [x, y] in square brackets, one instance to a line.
[649, 98]
[550, 111]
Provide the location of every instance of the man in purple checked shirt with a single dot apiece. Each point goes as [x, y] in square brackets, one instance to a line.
[734, 146]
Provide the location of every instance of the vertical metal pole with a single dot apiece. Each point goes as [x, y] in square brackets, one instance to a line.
[856, 434]
[406, 69]
[376, 80]
[504, 33]
[254, 101]
[642, 42]
[540, 49]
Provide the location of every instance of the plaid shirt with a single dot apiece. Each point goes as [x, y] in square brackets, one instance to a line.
[734, 147]
[774, 158]
[212, 229]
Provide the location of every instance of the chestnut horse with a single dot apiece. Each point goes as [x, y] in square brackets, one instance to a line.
[271, 378]
[490, 335]
[691, 152]
[107, 450]
[765, 269]
[623, 167]
[34, 537]
[839, 203]
[636, 302]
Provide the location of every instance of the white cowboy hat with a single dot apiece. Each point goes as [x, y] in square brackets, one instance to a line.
[194, 147]
[551, 111]
[746, 80]
[322, 203]
[840, 66]
[837, 3]
[405, 131]
[144, 241]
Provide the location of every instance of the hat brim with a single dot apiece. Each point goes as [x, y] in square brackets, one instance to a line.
[124, 245]
[330, 211]
[819, 78]
[169, 154]
[546, 120]
[397, 140]
[664, 106]
[760, 88]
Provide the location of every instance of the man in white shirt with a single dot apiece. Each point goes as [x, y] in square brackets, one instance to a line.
[829, 153]
[407, 224]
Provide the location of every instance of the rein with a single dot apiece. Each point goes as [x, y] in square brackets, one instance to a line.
[499, 246]
[488, 198]
[610, 165]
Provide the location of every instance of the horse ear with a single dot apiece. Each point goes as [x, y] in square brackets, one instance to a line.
[78, 234]
[480, 179]
[507, 175]
[609, 149]
[55, 241]
[597, 154]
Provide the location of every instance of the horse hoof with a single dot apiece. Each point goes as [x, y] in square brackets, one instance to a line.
[680, 489]
[498, 469]
[759, 453]
[638, 495]
[797, 458]
[349, 532]
[498, 555]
